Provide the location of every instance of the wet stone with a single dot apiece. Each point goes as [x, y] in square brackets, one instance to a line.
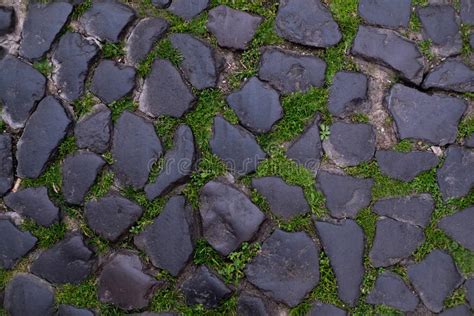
[306, 150]
[469, 286]
[94, 129]
[467, 12]
[347, 92]
[287, 267]
[460, 310]
[322, 309]
[430, 118]
[307, 22]
[386, 13]
[290, 72]
[456, 176]
[405, 166]
[144, 37]
[6, 164]
[68, 310]
[14, 244]
[233, 28]
[7, 20]
[460, 227]
[451, 75]
[257, 105]
[112, 81]
[251, 306]
[188, 9]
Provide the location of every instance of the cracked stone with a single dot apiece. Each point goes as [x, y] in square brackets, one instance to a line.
[251, 306]
[306, 149]
[188, 9]
[386, 13]
[144, 37]
[94, 129]
[14, 244]
[68, 310]
[112, 81]
[7, 20]
[460, 227]
[405, 166]
[467, 12]
[347, 92]
[6, 164]
[322, 309]
[451, 75]
[456, 176]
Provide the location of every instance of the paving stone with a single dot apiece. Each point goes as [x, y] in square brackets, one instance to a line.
[434, 278]
[287, 267]
[460, 227]
[451, 75]
[307, 148]
[111, 216]
[69, 261]
[469, 286]
[390, 290]
[68, 310]
[6, 164]
[27, 294]
[277, 192]
[79, 172]
[7, 20]
[405, 166]
[72, 59]
[460, 310]
[232, 28]
[322, 309]
[257, 106]
[251, 306]
[204, 287]
[467, 11]
[178, 164]
[188, 9]
[144, 36]
[289, 72]
[21, 87]
[14, 244]
[135, 147]
[307, 22]
[112, 81]
[37, 36]
[386, 13]
[350, 144]
[93, 131]
[343, 243]
[471, 40]
[43, 133]
[107, 20]
[347, 92]
[35, 204]
[429, 118]
[469, 141]
[236, 146]
[201, 65]
[388, 48]
[228, 216]
[123, 283]
[168, 241]
[161, 4]
[456, 176]
[165, 91]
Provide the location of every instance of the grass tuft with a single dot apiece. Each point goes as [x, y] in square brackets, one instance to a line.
[44, 66]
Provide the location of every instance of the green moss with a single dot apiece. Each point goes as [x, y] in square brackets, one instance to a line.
[118, 107]
[325, 131]
[404, 146]
[44, 66]
[425, 48]
[81, 9]
[47, 236]
[163, 50]
[112, 50]
[102, 186]
[415, 23]
[360, 118]
[84, 105]
[165, 127]
[466, 127]
[457, 298]
[466, 31]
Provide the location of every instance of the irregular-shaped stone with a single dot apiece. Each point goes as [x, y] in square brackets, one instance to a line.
[434, 279]
[456, 176]
[251, 306]
[287, 267]
[460, 227]
[307, 22]
[430, 118]
[43, 133]
[68, 310]
[386, 13]
[322, 309]
[451, 75]
[307, 148]
[290, 72]
[459, 310]
[348, 91]
[236, 146]
[467, 12]
[93, 131]
[232, 28]
[14, 244]
[112, 81]
[6, 164]
[413, 209]
[344, 245]
[7, 20]
[135, 148]
[160, 4]
[469, 285]
[405, 166]
[388, 48]
[469, 141]
[144, 37]
[188, 9]
[228, 216]
[165, 91]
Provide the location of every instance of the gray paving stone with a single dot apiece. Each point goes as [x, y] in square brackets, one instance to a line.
[6, 164]
[68, 310]
[467, 12]
[469, 141]
[93, 131]
[386, 13]
[7, 19]
[405, 166]
[459, 310]
[469, 286]
[347, 92]
[188, 9]
[14, 244]
[160, 4]
[460, 227]
[456, 176]
[322, 309]
[451, 75]
[307, 149]
[144, 36]
[251, 306]
[112, 81]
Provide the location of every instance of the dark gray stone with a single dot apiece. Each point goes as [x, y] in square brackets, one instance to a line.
[471, 40]
[307, 150]
[6, 164]
[347, 92]
[460, 227]
[251, 306]
[307, 22]
[112, 81]
[160, 4]
[430, 118]
[37, 36]
[388, 48]
[228, 216]
[7, 20]
[460, 310]
[456, 176]
[33, 203]
[285, 200]
[257, 105]
[188, 9]
[290, 72]
[233, 28]
[236, 146]
[165, 91]
[405, 166]
[322, 309]
[386, 13]
[469, 286]
[135, 148]
[144, 37]
[43, 133]
[14, 244]
[467, 12]
[287, 267]
[343, 243]
[469, 141]
[68, 310]
[94, 129]
[451, 75]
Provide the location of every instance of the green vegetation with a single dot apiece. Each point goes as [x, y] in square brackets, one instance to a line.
[84, 105]
[403, 146]
[44, 66]
[47, 236]
[425, 48]
[119, 106]
[466, 127]
[466, 30]
[163, 50]
[360, 118]
[113, 50]
[81, 9]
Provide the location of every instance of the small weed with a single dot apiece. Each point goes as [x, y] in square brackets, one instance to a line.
[112, 50]
[84, 105]
[466, 31]
[163, 50]
[118, 107]
[425, 48]
[81, 9]
[325, 131]
[415, 23]
[404, 146]
[47, 236]
[466, 127]
[102, 186]
[44, 66]
[360, 118]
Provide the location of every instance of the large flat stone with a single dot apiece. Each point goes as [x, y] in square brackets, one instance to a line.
[143, 38]
[323, 309]
[456, 176]
[307, 149]
[386, 13]
[188, 9]
[347, 92]
[459, 310]
[112, 81]
[6, 164]
[451, 75]
[460, 227]
[93, 131]
[14, 244]
[405, 166]
[467, 12]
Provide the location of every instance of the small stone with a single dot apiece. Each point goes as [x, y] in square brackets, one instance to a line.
[111, 216]
[386, 13]
[460, 227]
[144, 37]
[43, 133]
[161, 4]
[469, 141]
[7, 20]
[469, 285]
[188, 9]
[290, 72]
[451, 75]
[322, 309]
[430, 118]
[94, 129]
[344, 245]
[388, 48]
[165, 91]
[434, 278]
[348, 91]
[456, 176]
[350, 144]
[405, 166]
[233, 28]
[35, 204]
[467, 12]
[112, 81]
[68, 310]
[6, 164]
[307, 148]
[228, 216]
[204, 287]
[235, 146]
[287, 267]
[37, 36]
[14, 244]
[257, 105]
[460, 310]
[251, 306]
[307, 22]
[277, 193]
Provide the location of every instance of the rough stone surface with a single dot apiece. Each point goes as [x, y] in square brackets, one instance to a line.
[460, 227]
[405, 166]
[14, 244]
[469, 141]
[307, 149]
[348, 91]
[322, 309]
[251, 306]
[386, 13]
[467, 12]
[6, 164]
[160, 4]
[287, 267]
[188, 9]
[459, 310]
[456, 176]
[469, 285]
[112, 81]
[451, 75]
[144, 37]
[7, 20]
[93, 131]
[68, 310]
